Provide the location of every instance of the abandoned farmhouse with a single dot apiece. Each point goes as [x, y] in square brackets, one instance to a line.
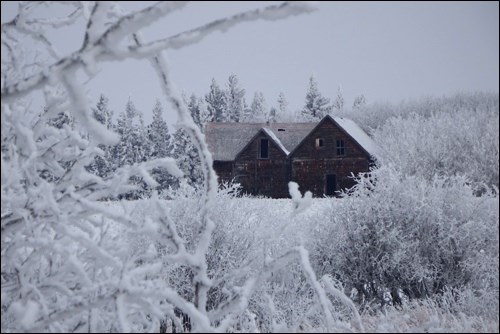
[321, 157]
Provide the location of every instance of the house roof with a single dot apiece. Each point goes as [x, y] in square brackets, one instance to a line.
[361, 137]
[226, 140]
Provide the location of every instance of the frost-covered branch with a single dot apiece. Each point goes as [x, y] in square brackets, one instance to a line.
[71, 259]
[270, 13]
[106, 46]
[91, 52]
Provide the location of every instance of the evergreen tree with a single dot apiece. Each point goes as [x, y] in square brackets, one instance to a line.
[161, 146]
[216, 103]
[338, 105]
[185, 152]
[246, 117]
[282, 112]
[316, 106]
[234, 97]
[102, 164]
[194, 108]
[359, 102]
[204, 113]
[159, 135]
[188, 159]
[126, 153]
[134, 144]
[258, 108]
[102, 113]
[272, 118]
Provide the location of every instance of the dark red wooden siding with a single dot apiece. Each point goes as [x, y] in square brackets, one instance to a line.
[310, 165]
[266, 177]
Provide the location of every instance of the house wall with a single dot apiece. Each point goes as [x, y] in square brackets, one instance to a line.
[267, 177]
[224, 170]
[310, 165]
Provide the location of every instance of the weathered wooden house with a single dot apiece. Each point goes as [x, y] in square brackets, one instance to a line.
[263, 158]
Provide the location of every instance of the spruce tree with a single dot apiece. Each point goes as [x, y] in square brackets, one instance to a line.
[134, 145]
[102, 113]
[359, 102]
[103, 164]
[258, 108]
[316, 106]
[161, 146]
[234, 97]
[338, 105]
[282, 112]
[216, 103]
[188, 159]
[273, 114]
[194, 108]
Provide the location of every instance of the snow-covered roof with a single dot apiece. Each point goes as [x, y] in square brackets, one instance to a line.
[357, 134]
[226, 140]
[278, 142]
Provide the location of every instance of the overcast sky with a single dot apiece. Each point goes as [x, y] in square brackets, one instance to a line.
[388, 51]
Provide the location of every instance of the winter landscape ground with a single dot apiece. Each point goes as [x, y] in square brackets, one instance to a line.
[109, 225]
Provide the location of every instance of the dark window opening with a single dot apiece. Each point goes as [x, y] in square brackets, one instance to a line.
[320, 142]
[264, 149]
[331, 185]
[281, 130]
[340, 147]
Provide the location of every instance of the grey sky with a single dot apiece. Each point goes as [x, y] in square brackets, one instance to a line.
[388, 51]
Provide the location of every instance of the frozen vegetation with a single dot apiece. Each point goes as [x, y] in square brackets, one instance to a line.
[414, 247]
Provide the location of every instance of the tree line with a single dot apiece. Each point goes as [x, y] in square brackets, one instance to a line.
[141, 142]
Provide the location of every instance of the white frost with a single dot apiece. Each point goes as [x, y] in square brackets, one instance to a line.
[300, 203]
[27, 314]
[357, 134]
[276, 140]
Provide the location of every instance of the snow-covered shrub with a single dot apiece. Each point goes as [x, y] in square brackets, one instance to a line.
[431, 315]
[374, 115]
[71, 262]
[447, 144]
[404, 236]
[255, 241]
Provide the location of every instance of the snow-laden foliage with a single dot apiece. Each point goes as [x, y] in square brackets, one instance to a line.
[447, 136]
[416, 250]
[402, 237]
[216, 104]
[70, 261]
[234, 100]
[258, 109]
[461, 143]
[316, 106]
[187, 158]
[371, 116]
[161, 146]
[338, 103]
[257, 245]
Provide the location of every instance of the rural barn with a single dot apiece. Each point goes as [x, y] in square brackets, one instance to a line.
[321, 157]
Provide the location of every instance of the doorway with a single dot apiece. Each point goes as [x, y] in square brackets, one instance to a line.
[331, 185]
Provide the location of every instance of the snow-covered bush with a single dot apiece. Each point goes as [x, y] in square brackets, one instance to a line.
[69, 261]
[446, 144]
[374, 115]
[401, 236]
